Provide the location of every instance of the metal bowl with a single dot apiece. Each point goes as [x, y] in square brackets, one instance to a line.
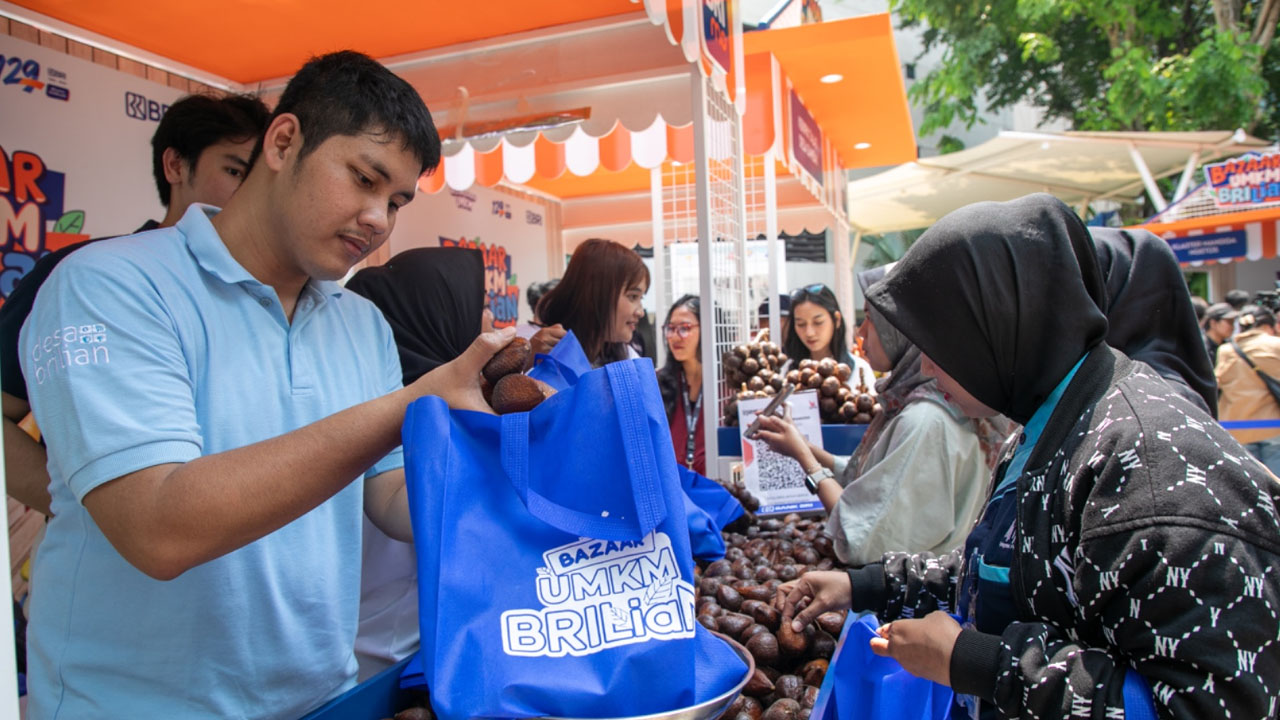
[705, 710]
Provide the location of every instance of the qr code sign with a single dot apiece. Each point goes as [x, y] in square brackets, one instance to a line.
[776, 471]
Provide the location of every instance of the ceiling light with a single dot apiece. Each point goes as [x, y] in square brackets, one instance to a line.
[832, 78]
[862, 146]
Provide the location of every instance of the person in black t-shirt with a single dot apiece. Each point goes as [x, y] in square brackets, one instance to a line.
[200, 154]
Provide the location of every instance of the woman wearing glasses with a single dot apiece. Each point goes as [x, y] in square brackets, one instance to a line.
[817, 331]
[680, 380]
[599, 299]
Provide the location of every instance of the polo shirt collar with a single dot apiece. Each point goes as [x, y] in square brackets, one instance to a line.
[326, 288]
[207, 247]
[213, 256]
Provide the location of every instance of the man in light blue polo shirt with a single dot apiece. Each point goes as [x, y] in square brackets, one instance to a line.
[218, 412]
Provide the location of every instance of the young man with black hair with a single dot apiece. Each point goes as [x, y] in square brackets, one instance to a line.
[226, 414]
[199, 154]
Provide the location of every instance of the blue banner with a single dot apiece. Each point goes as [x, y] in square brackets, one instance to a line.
[1210, 246]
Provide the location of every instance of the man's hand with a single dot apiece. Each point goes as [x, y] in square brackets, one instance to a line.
[825, 590]
[545, 339]
[923, 647]
[25, 460]
[458, 382]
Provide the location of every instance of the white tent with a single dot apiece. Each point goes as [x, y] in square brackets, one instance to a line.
[1076, 167]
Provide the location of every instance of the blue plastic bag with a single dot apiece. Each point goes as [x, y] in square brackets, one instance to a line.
[554, 564]
[860, 685]
[711, 496]
[708, 506]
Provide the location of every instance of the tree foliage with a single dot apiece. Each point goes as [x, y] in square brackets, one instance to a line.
[1103, 64]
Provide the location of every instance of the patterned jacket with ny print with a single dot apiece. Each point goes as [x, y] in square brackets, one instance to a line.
[1146, 539]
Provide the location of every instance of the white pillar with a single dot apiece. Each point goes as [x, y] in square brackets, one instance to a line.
[1148, 181]
[660, 299]
[839, 234]
[706, 288]
[777, 249]
[8, 661]
[1184, 183]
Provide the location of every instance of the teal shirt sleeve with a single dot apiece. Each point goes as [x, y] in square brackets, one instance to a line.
[392, 380]
[108, 380]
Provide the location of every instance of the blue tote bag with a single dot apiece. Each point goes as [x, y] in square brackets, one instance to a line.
[860, 685]
[719, 504]
[554, 563]
[562, 367]
[709, 506]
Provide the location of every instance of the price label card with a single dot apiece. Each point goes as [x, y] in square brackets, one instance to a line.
[777, 480]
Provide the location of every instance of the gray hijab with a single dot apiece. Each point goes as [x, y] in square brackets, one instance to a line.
[907, 382]
[896, 345]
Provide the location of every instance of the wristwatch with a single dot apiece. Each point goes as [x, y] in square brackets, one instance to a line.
[812, 480]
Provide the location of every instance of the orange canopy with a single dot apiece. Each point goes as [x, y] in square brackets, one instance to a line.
[865, 117]
[249, 41]
[867, 106]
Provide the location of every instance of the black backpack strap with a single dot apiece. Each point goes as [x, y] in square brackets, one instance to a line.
[1242, 355]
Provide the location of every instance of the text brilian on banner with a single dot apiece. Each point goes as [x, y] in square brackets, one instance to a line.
[599, 594]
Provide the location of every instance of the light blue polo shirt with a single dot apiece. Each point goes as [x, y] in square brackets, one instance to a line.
[160, 348]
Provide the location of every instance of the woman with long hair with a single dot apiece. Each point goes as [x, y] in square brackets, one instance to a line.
[817, 331]
[599, 299]
[680, 380]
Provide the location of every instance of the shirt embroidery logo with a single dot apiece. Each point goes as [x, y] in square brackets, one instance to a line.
[67, 347]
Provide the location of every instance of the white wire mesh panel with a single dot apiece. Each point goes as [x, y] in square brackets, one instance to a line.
[728, 257]
[679, 232]
[730, 287]
[755, 221]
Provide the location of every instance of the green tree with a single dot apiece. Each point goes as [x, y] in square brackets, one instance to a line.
[1103, 64]
[889, 247]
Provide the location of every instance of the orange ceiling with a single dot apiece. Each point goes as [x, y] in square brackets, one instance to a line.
[249, 41]
[868, 106]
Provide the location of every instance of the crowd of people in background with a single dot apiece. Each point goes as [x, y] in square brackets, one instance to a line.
[1245, 351]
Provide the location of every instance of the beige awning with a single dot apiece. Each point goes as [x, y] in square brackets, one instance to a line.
[1077, 167]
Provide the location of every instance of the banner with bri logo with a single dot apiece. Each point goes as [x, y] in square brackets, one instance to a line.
[75, 153]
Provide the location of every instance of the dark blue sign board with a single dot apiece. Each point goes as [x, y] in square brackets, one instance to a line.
[1210, 246]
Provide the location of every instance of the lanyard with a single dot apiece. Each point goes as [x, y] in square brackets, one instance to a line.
[690, 420]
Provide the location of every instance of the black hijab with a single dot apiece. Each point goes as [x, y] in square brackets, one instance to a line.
[1004, 297]
[432, 298]
[1149, 313]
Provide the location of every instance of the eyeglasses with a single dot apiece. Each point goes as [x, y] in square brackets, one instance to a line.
[814, 289]
[682, 329]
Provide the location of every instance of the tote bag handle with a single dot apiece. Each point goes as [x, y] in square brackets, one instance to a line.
[650, 508]
[566, 371]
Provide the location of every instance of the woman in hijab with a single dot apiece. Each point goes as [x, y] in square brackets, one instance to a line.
[1128, 555]
[433, 298]
[1150, 316]
[919, 475]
